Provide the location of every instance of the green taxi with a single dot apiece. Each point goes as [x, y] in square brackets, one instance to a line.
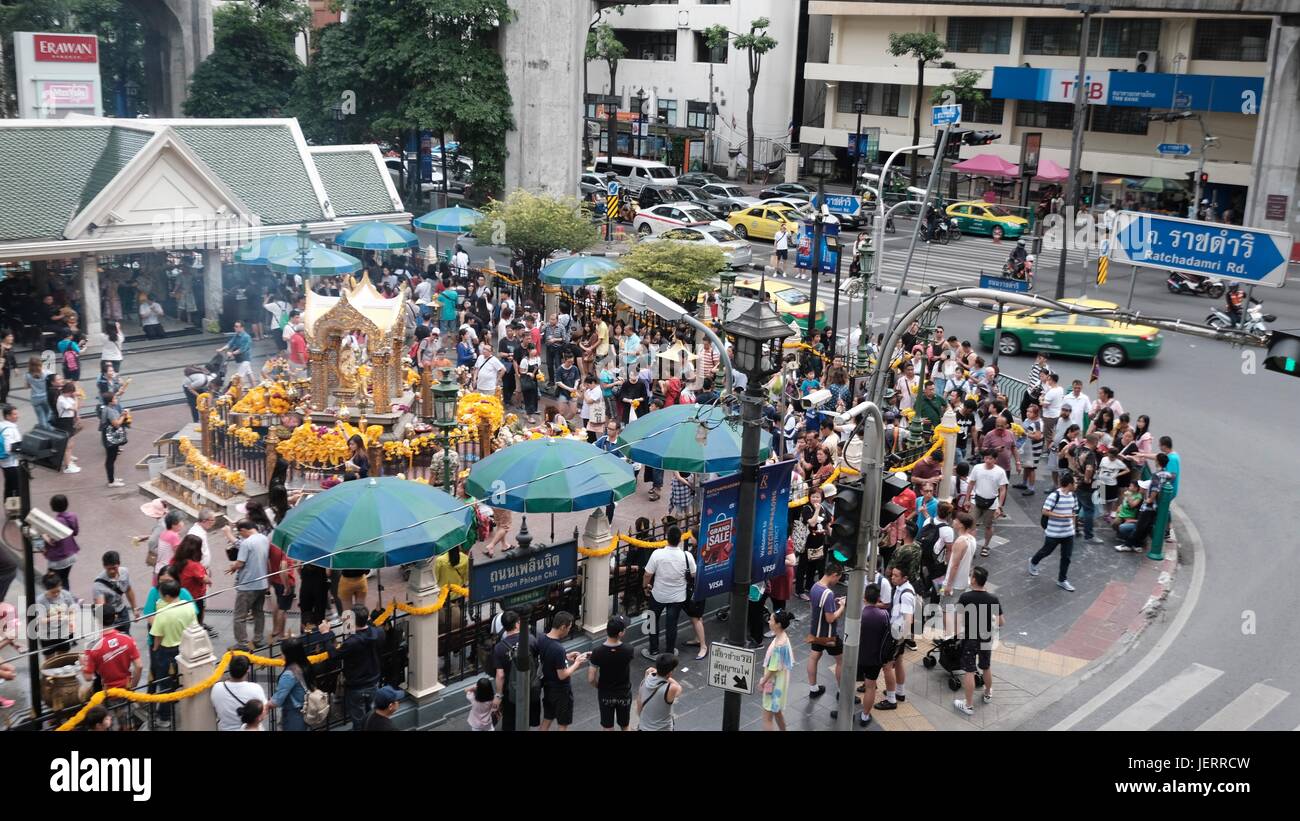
[987, 219]
[1067, 334]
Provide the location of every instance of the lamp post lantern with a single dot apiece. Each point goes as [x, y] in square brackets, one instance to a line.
[727, 290]
[823, 165]
[445, 394]
[304, 251]
[759, 334]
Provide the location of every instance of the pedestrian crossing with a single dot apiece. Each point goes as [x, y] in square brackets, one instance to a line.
[958, 263]
[1242, 712]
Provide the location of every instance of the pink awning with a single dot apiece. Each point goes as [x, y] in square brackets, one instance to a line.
[986, 165]
[1049, 171]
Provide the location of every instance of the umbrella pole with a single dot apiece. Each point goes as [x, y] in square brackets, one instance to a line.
[552, 528]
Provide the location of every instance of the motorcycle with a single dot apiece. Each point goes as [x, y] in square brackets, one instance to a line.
[940, 233]
[953, 230]
[1024, 271]
[1179, 283]
[1255, 321]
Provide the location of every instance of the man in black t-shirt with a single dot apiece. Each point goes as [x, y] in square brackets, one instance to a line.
[980, 611]
[557, 667]
[610, 674]
[510, 350]
[503, 656]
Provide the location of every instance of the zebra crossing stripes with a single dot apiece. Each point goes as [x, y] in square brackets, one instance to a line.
[1246, 709]
[1161, 702]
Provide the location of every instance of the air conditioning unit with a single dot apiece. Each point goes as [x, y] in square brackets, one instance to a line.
[1147, 62]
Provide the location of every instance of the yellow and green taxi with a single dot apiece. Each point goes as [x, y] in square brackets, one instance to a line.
[987, 219]
[762, 221]
[790, 303]
[1067, 334]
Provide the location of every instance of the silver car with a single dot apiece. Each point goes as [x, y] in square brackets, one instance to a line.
[733, 193]
[737, 252]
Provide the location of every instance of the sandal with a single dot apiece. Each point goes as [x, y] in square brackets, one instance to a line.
[984, 552]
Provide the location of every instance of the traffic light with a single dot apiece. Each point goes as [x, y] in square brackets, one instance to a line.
[1283, 353]
[979, 137]
[1191, 179]
[952, 150]
[848, 518]
[1204, 178]
[958, 138]
[892, 485]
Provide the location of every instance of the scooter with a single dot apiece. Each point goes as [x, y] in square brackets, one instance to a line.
[1179, 283]
[1025, 271]
[1254, 322]
[940, 233]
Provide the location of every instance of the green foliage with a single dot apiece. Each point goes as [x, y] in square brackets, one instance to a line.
[603, 44]
[252, 67]
[536, 226]
[923, 46]
[963, 88]
[755, 43]
[678, 270]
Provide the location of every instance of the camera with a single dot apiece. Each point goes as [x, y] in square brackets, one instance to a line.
[49, 528]
[815, 399]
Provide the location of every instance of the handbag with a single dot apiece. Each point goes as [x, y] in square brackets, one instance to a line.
[115, 436]
[823, 641]
[984, 502]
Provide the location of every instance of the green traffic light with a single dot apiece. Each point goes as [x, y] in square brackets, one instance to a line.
[1289, 365]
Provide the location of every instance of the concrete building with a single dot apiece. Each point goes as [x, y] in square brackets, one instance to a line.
[1237, 53]
[669, 60]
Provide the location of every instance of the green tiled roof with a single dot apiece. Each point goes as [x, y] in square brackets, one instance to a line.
[261, 165]
[353, 182]
[47, 175]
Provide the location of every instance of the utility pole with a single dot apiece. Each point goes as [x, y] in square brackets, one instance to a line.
[708, 126]
[751, 421]
[859, 106]
[1076, 136]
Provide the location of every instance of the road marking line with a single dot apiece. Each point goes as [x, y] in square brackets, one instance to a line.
[1246, 708]
[1158, 704]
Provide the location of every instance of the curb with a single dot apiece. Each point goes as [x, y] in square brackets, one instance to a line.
[1137, 629]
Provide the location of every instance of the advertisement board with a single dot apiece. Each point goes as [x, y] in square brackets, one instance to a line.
[57, 73]
[1198, 92]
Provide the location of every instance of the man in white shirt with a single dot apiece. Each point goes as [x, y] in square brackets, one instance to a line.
[460, 262]
[206, 521]
[1079, 404]
[12, 438]
[228, 696]
[487, 371]
[907, 386]
[1052, 399]
[781, 245]
[665, 584]
[989, 484]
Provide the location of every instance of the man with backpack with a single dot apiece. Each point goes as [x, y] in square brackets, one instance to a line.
[1060, 509]
[503, 667]
[902, 612]
[359, 653]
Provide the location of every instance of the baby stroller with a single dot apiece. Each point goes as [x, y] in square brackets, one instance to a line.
[946, 653]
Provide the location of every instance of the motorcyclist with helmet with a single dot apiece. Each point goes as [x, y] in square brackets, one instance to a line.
[1235, 299]
[1016, 262]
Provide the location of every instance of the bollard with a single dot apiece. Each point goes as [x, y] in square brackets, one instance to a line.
[422, 669]
[194, 665]
[595, 575]
[1161, 526]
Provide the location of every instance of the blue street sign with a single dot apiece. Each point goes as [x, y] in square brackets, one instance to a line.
[1203, 248]
[839, 203]
[518, 574]
[613, 188]
[1181, 149]
[945, 115]
[1015, 286]
[1182, 100]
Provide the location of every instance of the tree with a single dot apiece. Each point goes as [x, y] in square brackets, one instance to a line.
[755, 43]
[924, 47]
[963, 90]
[603, 44]
[252, 67]
[535, 226]
[678, 270]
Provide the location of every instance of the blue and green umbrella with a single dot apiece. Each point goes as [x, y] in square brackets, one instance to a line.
[377, 236]
[265, 249]
[454, 220]
[321, 262]
[376, 522]
[550, 476]
[576, 272]
[669, 439]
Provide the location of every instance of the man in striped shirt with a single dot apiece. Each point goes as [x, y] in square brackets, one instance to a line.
[1034, 389]
[1060, 507]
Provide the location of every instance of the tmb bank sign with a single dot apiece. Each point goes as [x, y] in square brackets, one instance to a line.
[1198, 92]
[57, 73]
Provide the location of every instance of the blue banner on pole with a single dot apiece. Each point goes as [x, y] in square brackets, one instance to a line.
[772, 523]
[719, 504]
[803, 252]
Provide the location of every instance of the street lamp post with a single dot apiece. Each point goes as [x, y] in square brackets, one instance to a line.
[823, 164]
[640, 118]
[859, 106]
[759, 334]
[445, 394]
[339, 114]
[304, 252]
[866, 267]
[727, 290]
[833, 245]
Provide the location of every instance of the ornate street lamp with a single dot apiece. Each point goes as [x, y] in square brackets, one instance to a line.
[727, 291]
[304, 251]
[445, 394]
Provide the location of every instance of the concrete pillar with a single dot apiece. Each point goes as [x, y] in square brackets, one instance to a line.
[1276, 162]
[195, 664]
[947, 480]
[91, 321]
[213, 288]
[422, 670]
[595, 575]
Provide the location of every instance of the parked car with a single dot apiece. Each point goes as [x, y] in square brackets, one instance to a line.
[975, 217]
[659, 218]
[1060, 332]
[716, 206]
[802, 210]
[634, 173]
[787, 189]
[593, 183]
[762, 221]
[727, 191]
[699, 178]
[791, 303]
[735, 250]
[458, 184]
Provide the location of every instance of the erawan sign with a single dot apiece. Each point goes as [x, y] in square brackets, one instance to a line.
[57, 74]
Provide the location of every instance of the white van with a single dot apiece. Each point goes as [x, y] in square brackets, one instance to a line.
[635, 173]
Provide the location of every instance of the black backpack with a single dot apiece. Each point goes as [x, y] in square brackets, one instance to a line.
[932, 567]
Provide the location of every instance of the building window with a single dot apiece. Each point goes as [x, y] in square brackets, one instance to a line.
[697, 114]
[1116, 119]
[990, 112]
[648, 45]
[594, 109]
[1036, 114]
[880, 99]
[1244, 40]
[979, 35]
[668, 112]
[1126, 37]
[704, 54]
[1060, 37]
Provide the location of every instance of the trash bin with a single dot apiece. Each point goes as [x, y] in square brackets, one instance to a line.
[59, 685]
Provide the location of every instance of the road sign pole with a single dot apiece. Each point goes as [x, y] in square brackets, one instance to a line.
[1196, 196]
[1076, 146]
[751, 415]
[997, 336]
[1132, 285]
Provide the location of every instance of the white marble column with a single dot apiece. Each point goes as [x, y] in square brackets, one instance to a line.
[213, 291]
[422, 669]
[948, 478]
[595, 575]
[91, 319]
[195, 664]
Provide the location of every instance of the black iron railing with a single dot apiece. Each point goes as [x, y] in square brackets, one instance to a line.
[229, 451]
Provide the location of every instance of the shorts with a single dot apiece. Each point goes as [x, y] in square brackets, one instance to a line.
[868, 672]
[973, 649]
[350, 587]
[615, 707]
[557, 706]
[693, 609]
[283, 600]
[984, 516]
[782, 253]
[834, 650]
[1112, 493]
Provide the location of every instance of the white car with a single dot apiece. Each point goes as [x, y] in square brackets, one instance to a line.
[737, 252]
[659, 218]
[734, 193]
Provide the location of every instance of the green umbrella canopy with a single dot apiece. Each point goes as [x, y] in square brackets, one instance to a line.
[577, 271]
[321, 262]
[453, 220]
[668, 439]
[375, 522]
[1159, 185]
[550, 476]
[264, 249]
[377, 236]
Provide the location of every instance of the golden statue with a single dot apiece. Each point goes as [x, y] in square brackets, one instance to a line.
[347, 369]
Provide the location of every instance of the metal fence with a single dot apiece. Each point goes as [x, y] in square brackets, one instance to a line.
[229, 451]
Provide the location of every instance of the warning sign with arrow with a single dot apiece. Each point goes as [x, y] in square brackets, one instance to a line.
[731, 668]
